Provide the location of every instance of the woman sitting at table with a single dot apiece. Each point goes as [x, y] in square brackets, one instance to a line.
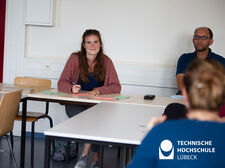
[194, 142]
[91, 70]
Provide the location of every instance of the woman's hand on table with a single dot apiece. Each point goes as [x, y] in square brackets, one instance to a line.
[94, 92]
[76, 88]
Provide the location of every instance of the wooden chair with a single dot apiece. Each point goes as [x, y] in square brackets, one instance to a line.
[37, 85]
[8, 111]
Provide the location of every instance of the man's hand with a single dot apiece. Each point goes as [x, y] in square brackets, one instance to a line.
[180, 78]
[155, 121]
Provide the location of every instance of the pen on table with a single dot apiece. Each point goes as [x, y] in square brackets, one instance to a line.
[74, 83]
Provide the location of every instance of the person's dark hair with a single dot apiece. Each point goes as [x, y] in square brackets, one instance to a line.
[204, 82]
[210, 31]
[175, 111]
[99, 68]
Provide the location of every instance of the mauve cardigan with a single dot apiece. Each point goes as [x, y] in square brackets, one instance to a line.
[71, 73]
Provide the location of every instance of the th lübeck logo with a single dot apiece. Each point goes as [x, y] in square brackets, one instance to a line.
[166, 150]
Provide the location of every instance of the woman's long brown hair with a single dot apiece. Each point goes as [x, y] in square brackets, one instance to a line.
[99, 68]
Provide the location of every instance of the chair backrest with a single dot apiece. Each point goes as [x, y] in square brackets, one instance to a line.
[8, 110]
[35, 83]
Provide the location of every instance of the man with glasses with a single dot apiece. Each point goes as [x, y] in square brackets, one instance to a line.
[202, 39]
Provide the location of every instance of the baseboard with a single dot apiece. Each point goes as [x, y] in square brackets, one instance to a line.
[36, 135]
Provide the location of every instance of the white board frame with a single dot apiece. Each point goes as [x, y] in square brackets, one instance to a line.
[39, 12]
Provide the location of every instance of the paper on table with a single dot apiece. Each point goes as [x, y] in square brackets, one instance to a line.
[104, 98]
[177, 97]
[51, 93]
[81, 94]
[121, 97]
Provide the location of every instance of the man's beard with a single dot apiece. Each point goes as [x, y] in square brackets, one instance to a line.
[201, 50]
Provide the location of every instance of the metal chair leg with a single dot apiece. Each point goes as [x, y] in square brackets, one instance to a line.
[68, 152]
[128, 155]
[51, 125]
[11, 151]
[50, 120]
[77, 147]
[118, 152]
[101, 155]
[32, 145]
[11, 139]
[122, 157]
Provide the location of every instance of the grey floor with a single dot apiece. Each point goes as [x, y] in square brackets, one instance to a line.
[110, 155]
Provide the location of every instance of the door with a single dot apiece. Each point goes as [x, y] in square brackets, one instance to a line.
[2, 35]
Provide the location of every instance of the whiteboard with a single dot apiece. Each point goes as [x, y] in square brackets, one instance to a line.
[39, 12]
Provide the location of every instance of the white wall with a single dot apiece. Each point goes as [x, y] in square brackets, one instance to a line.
[144, 38]
[137, 31]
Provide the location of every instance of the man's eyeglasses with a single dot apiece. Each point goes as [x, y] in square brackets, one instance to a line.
[196, 37]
